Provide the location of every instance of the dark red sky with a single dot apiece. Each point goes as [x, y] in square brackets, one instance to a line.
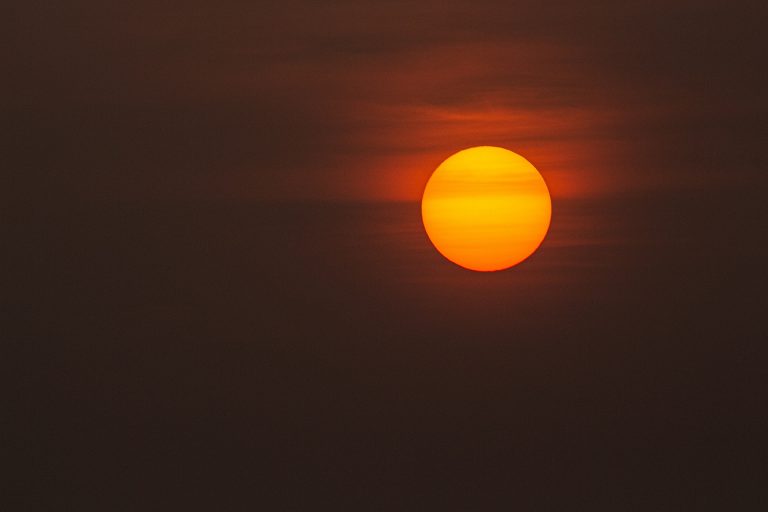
[219, 294]
[360, 100]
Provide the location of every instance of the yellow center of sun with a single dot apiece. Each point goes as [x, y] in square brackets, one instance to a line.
[486, 208]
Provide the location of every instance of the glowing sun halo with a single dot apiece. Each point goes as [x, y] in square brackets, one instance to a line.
[486, 208]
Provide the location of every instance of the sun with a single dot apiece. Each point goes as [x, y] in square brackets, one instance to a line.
[486, 208]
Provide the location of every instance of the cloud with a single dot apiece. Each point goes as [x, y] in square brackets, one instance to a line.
[361, 100]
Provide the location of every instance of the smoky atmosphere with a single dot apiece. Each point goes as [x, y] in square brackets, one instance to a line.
[251, 262]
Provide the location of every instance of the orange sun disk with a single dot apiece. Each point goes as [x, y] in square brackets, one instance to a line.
[486, 208]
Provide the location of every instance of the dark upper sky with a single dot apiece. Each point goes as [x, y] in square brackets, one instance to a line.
[219, 294]
[360, 100]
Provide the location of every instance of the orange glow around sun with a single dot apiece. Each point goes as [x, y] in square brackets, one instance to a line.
[486, 208]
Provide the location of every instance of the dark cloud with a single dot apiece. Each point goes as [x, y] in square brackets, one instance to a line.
[222, 97]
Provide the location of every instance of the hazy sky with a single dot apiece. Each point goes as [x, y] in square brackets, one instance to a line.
[361, 100]
[184, 330]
